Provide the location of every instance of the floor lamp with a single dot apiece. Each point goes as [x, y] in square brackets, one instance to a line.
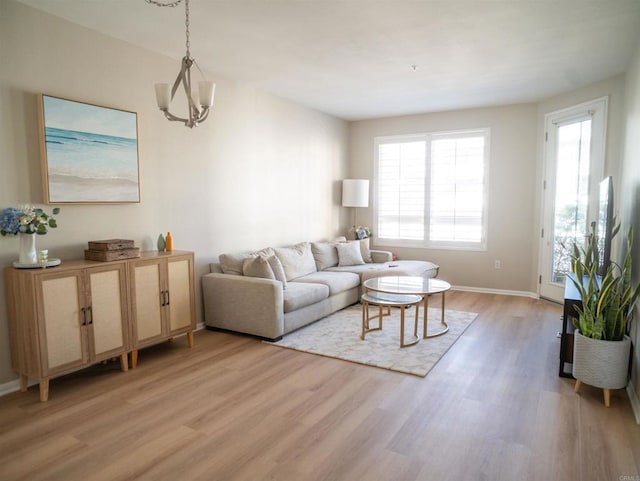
[355, 193]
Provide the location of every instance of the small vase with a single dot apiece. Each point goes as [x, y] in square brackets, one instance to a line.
[160, 244]
[28, 254]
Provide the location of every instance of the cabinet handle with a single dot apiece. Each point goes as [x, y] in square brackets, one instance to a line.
[164, 302]
[90, 311]
[168, 298]
[84, 316]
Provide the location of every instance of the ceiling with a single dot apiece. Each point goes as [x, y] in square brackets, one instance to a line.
[352, 58]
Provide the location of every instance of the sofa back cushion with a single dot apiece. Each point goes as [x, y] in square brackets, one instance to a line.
[297, 260]
[325, 254]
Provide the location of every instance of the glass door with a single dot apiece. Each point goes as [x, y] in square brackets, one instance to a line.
[574, 164]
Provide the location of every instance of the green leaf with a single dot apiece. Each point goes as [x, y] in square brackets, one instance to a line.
[52, 223]
[56, 210]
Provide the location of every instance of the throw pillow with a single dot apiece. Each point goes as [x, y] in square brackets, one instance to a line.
[232, 263]
[257, 266]
[297, 260]
[325, 254]
[365, 250]
[278, 270]
[349, 254]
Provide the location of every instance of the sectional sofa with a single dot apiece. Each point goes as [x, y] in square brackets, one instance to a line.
[272, 292]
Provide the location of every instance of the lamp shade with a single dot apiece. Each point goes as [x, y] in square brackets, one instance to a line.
[355, 193]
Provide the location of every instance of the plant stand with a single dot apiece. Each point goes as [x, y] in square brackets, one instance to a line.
[605, 391]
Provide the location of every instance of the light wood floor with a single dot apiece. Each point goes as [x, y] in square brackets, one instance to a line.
[233, 408]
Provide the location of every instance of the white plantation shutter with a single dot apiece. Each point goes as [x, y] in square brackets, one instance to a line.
[457, 189]
[400, 189]
[431, 189]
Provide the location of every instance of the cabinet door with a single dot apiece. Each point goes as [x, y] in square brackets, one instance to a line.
[181, 293]
[108, 316]
[61, 317]
[147, 301]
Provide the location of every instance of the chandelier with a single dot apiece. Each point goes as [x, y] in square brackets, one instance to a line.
[200, 103]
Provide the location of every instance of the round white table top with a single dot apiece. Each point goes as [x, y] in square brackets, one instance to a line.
[407, 285]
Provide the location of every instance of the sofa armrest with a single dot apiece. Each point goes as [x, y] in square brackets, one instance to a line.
[381, 256]
[243, 304]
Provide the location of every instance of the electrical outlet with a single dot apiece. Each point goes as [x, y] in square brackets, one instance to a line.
[497, 264]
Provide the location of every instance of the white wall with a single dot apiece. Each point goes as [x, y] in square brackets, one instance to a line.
[630, 198]
[261, 171]
[511, 192]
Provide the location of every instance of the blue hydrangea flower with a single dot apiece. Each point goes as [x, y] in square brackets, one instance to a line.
[10, 220]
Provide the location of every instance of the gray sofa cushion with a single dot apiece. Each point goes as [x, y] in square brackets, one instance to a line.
[297, 260]
[301, 294]
[325, 254]
[336, 281]
[394, 268]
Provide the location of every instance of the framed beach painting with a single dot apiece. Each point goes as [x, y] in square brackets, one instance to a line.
[89, 153]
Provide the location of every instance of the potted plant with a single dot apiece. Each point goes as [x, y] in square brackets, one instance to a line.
[602, 345]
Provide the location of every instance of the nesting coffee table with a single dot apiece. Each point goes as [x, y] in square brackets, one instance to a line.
[413, 285]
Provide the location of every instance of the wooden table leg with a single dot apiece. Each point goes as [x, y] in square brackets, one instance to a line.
[607, 397]
[124, 362]
[134, 359]
[576, 388]
[190, 339]
[44, 390]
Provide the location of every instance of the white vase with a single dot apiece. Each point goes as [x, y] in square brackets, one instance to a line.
[28, 254]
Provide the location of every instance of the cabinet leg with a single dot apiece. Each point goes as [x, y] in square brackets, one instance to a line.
[24, 382]
[190, 338]
[134, 359]
[124, 362]
[576, 388]
[44, 390]
[607, 397]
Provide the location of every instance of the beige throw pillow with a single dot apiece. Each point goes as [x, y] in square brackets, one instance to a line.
[232, 263]
[349, 254]
[365, 250]
[257, 267]
[297, 260]
[278, 270]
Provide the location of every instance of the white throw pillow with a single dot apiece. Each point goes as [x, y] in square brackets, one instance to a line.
[349, 254]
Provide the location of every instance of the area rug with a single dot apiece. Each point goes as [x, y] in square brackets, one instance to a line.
[338, 336]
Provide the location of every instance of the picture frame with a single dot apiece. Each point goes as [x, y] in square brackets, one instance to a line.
[89, 153]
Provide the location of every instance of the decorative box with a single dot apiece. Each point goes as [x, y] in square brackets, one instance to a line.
[110, 245]
[111, 255]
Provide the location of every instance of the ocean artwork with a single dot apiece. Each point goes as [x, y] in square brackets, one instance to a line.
[91, 153]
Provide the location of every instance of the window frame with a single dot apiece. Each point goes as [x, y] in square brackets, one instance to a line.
[428, 137]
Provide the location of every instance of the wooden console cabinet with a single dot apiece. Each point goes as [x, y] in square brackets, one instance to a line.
[68, 317]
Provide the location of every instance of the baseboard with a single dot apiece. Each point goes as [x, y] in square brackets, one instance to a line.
[13, 386]
[635, 402]
[504, 292]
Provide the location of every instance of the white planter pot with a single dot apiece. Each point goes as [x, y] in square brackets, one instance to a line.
[602, 364]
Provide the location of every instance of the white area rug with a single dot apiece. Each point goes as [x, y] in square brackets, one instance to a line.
[338, 336]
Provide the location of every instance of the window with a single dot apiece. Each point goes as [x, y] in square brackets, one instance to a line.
[431, 189]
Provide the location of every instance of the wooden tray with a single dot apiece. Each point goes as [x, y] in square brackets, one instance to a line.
[110, 245]
[103, 255]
